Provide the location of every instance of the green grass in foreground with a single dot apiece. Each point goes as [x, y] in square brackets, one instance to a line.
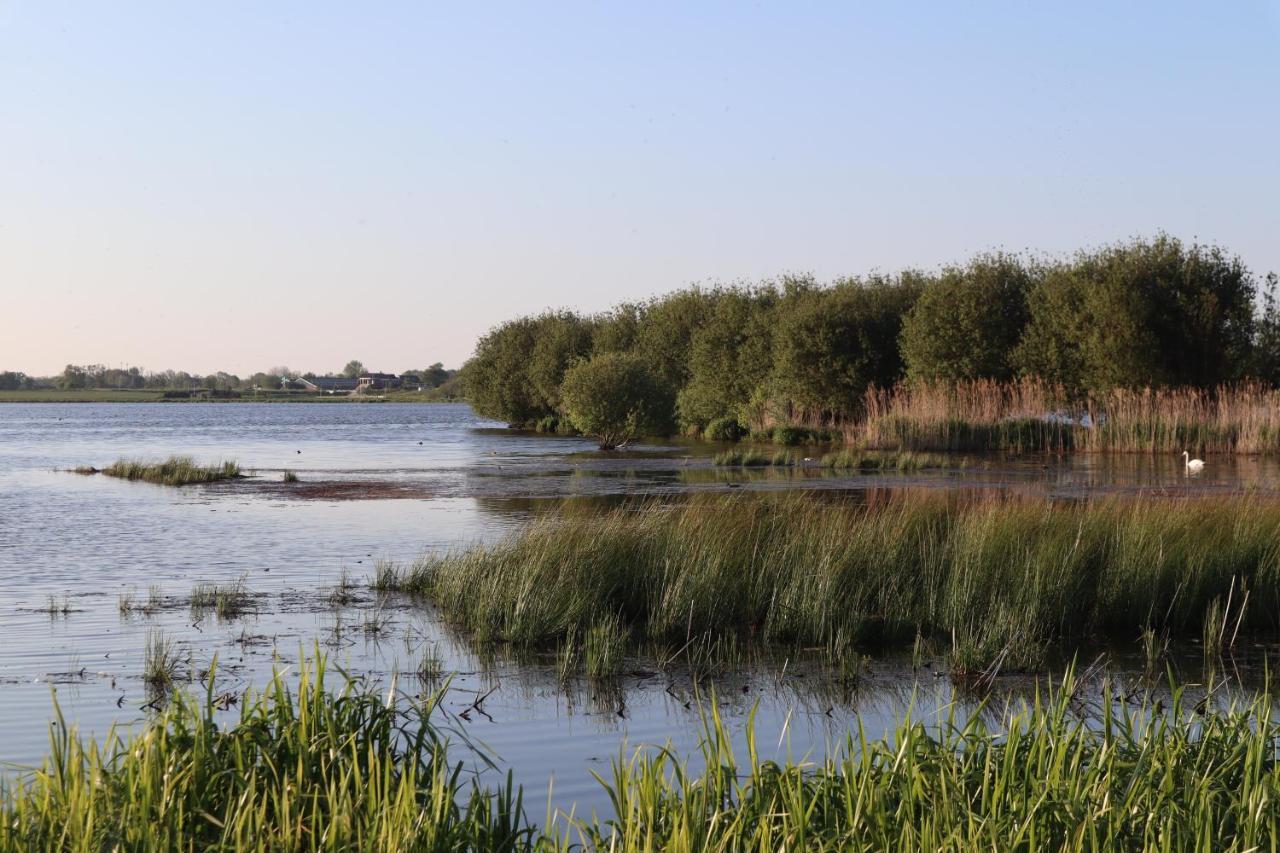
[998, 580]
[174, 471]
[356, 770]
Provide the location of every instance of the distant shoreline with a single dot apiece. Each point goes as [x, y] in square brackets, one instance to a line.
[94, 395]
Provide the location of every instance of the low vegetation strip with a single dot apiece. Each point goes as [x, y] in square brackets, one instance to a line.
[998, 579]
[352, 769]
[174, 471]
[839, 460]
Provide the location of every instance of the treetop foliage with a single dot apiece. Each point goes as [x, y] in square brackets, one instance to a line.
[1147, 312]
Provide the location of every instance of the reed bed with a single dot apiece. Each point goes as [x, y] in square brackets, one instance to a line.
[997, 579]
[352, 769]
[174, 471]
[1231, 419]
[977, 416]
[1032, 416]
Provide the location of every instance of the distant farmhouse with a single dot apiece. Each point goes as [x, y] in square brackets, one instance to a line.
[326, 384]
[363, 385]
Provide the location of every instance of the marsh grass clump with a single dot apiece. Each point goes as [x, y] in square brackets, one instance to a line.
[289, 477]
[55, 606]
[227, 601]
[174, 471]
[430, 665]
[1000, 580]
[603, 648]
[754, 458]
[860, 460]
[163, 663]
[298, 767]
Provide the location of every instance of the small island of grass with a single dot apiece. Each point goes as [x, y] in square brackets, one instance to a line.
[174, 471]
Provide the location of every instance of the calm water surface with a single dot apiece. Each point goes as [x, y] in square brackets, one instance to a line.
[393, 481]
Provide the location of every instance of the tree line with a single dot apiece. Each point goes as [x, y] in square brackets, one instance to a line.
[715, 360]
[76, 377]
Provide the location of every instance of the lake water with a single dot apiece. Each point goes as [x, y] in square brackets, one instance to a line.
[389, 481]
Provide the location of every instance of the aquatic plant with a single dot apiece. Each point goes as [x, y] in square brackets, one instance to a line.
[1135, 779]
[163, 663]
[354, 768]
[604, 646]
[289, 477]
[227, 600]
[174, 471]
[861, 460]
[298, 769]
[1000, 579]
[430, 667]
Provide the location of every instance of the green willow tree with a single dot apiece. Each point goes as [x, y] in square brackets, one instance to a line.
[967, 324]
[614, 398]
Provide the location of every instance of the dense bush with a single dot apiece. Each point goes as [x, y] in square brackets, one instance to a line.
[724, 429]
[614, 397]
[1141, 313]
[966, 325]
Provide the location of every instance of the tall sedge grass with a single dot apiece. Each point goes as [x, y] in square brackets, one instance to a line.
[1134, 780]
[174, 471]
[351, 769]
[308, 769]
[996, 578]
[1030, 415]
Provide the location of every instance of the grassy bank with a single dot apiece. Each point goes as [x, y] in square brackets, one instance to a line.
[86, 396]
[354, 769]
[174, 471]
[997, 580]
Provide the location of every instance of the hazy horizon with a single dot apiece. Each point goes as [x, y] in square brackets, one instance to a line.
[236, 187]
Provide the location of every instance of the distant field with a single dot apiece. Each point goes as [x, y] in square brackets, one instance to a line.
[111, 396]
[88, 396]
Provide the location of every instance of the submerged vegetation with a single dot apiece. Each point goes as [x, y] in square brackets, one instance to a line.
[999, 580]
[174, 471]
[1135, 346]
[357, 769]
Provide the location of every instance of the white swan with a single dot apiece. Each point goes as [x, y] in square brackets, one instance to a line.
[1194, 466]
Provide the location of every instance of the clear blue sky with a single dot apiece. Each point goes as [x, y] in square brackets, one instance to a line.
[238, 185]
